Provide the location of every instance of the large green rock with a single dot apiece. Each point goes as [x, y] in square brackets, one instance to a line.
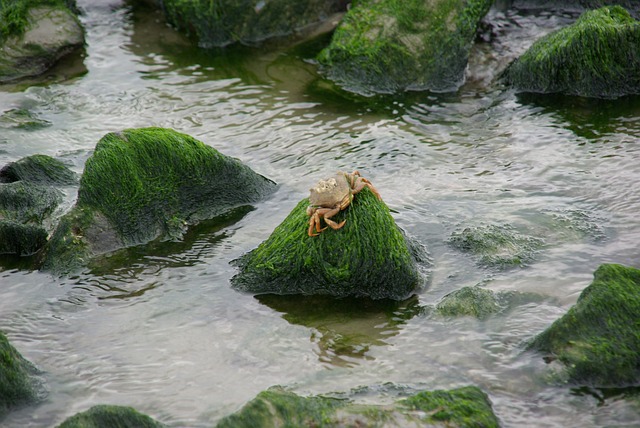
[598, 339]
[106, 416]
[597, 56]
[389, 46]
[368, 257]
[35, 34]
[276, 407]
[145, 184]
[223, 22]
[18, 383]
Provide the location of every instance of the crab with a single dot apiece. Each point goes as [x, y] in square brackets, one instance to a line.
[332, 195]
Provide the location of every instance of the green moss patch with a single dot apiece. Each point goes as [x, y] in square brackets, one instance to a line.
[597, 56]
[18, 386]
[396, 45]
[103, 416]
[368, 257]
[598, 339]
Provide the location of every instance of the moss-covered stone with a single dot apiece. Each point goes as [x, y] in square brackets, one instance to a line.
[35, 34]
[23, 209]
[38, 169]
[390, 46]
[18, 384]
[145, 184]
[598, 339]
[597, 56]
[496, 246]
[276, 407]
[368, 257]
[469, 301]
[220, 23]
[106, 416]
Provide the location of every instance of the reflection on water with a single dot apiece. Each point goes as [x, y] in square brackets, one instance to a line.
[158, 327]
[344, 330]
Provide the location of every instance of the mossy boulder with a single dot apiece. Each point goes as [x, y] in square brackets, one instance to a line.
[145, 184]
[40, 169]
[368, 257]
[276, 407]
[249, 22]
[19, 384]
[24, 207]
[35, 34]
[103, 416]
[390, 46]
[498, 246]
[598, 339]
[597, 56]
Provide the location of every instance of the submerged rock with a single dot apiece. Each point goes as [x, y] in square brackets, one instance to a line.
[18, 382]
[496, 246]
[34, 35]
[469, 301]
[276, 407]
[597, 56]
[391, 46]
[145, 184]
[103, 416]
[22, 119]
[220, 23]
[598, 339]
[368, 257]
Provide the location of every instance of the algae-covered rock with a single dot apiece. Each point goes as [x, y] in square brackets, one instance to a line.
[390, 46]
[107, 416]
[276, 407]
[35, 34]
[18, 383]
[496, 245]
[368, 257]
[597, 56]
[469, 301]
[24, 207]
[145, 184]
[220, 23]
[598, 339]
[38, 169]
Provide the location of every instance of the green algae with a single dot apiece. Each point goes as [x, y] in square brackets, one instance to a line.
[38, 169]
[149, 182]
[597, 56]
[103, 416]
[18, 386]
[220, 23]
[498, 246]
[20, 118]
[462, 407]
[393, 45]
[598, 339]
[368, 257]
[26, 202]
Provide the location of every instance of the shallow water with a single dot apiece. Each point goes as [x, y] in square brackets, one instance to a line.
[159, 328]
